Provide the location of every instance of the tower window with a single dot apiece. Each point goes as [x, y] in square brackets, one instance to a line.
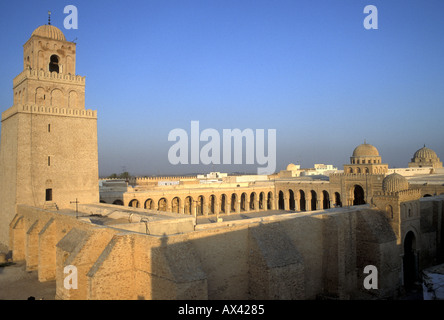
[49, 127]
[54, 64]
[48, 196]
[49, 161]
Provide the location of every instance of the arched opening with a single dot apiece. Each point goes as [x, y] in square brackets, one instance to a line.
[338, 202]
[291, 200]
[212, 204]
[252, 201]
[118, 202]
[281, 204]
[389, 210]
[426, 195]
[358, 195]
[149, 204]
[162, 204]
[102, 201]
[134, 203]
[269, 200]
[175, 205]
[54, 63]
[409, 260]
[233, 202]
[243, 204]
[223, 204]
[302, 200]
[200, 205]
[187, 206]
[326, 201]
[261, 200]
[314, 200]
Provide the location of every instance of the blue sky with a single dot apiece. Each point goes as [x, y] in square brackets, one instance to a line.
[308, 69]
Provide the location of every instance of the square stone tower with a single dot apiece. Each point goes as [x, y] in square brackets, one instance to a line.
[48, 151]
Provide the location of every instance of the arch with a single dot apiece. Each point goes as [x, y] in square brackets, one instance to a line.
[253, 198]
[233, 202]
[134, 203]
[350, 170]
[54, 61]
[223, 204]
[213, 204]
[243, 204]
[302, 200]
[338, 202]
[358, 170]
[314, 200]
[281, 203]
[40, 96]
[200, 205]
[72, 99]
[118, 202]
[366, 170]
[389, 210]
[188, 204]
[57, 98]
[291, 200]
[261, 201]
[102, 201]
[269, 200]
[149, 204]
[409, 260]
[175, 205]
[326, 200]
[162, 204]
[358, 195]
[426, 195]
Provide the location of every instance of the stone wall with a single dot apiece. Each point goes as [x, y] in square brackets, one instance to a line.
[297, 256]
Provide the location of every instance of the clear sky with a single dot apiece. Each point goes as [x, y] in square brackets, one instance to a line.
[308, 69]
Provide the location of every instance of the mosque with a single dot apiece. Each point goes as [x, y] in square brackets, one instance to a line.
[280, 236]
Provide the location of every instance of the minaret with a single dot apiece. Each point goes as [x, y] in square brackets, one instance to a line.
[48, 151]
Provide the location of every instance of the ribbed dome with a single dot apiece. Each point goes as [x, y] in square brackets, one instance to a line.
[365, 150]
[49, 31]
[425, 154]
[394, 182]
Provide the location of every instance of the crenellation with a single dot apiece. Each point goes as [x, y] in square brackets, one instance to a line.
[41, 75]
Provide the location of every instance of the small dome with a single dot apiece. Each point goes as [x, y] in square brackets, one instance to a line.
[365, 150]
[292, 167]
[49, 31]
[394, 183]
[425, 154]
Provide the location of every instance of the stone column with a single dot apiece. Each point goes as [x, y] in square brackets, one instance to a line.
[308, 202]
[238, 203]
[228, 206]
[205, 208]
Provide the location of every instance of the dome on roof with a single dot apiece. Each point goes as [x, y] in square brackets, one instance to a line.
[293, 167]
[425, 154]
[49, 31]
[394, 183]
[365, 150]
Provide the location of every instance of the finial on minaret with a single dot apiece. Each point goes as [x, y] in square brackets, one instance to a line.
[49, 17]
[365, 142]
